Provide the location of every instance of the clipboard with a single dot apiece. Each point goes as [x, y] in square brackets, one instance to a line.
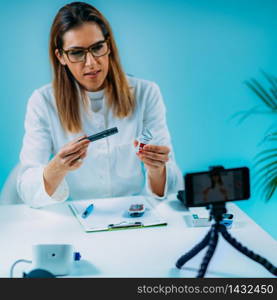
[112, 214]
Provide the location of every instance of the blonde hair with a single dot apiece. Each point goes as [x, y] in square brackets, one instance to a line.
[67, 93]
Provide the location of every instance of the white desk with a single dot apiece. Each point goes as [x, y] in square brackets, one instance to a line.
[148, 252]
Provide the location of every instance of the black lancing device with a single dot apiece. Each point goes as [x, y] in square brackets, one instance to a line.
[101, 134]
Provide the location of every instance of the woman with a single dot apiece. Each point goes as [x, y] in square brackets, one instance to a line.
[91, 93]
[216, 191]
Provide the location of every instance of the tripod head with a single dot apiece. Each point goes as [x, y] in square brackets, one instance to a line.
[217, 211]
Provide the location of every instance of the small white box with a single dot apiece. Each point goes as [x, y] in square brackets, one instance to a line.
[200, 221]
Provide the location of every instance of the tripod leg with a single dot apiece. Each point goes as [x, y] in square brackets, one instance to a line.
[259, 259]
[186, 257]
[211, 249]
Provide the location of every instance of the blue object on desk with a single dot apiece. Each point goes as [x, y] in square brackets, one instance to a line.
[88, 211]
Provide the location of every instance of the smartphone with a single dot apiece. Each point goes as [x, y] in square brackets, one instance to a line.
[221, 185]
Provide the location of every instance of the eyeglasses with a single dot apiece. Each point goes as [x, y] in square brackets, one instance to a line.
[80, 54]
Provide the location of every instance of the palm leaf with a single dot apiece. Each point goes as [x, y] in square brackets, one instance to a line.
[265, 93]
[266, 175]
[246, 113]
[263, 178]
[272, 164]
[265, 152]
[272, 135]
[261, 93]
[274, 93]
[270, 79]
[266, 158]
[270, 188]
[269, 137]
[265, 162]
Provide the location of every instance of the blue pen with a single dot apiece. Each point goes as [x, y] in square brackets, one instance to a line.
[88, 211]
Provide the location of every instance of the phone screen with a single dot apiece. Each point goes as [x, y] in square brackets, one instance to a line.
[221, 186]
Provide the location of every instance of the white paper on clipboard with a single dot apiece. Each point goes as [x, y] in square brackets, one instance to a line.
[109, 211]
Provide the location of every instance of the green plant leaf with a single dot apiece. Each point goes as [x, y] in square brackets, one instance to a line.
[260, 95]
[265, 93]
[267, 186]
[273, 83]
[274, 93]
[262, 179]
[270, 189]
[266, 158]
[246, 113]
[265, 152]
[265, 174]
[270, 137]
[268, 166]
[265, 162]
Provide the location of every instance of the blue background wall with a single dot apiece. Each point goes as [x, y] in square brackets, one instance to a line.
[199, 51]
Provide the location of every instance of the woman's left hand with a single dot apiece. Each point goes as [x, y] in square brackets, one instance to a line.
[154, 157]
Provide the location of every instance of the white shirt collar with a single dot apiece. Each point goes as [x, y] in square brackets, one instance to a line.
[96, 95]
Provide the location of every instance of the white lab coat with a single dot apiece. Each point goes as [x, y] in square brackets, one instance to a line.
[111, 167]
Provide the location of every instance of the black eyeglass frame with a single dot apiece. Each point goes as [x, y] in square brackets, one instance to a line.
[89, 49]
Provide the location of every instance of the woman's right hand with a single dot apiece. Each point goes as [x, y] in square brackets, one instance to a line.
[71, 155]
[69, 158]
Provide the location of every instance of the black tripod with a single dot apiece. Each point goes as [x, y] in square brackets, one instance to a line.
[211, 239]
